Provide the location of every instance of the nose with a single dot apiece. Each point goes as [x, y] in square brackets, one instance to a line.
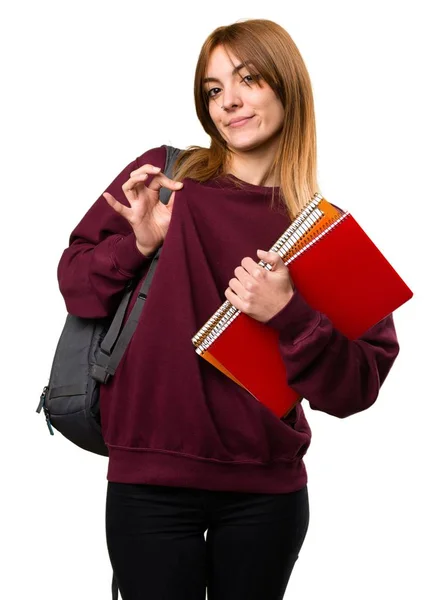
[230, 98]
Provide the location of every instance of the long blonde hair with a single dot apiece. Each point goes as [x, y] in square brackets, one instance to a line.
[270, 52]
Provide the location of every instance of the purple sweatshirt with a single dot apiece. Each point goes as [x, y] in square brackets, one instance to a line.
[168, 416]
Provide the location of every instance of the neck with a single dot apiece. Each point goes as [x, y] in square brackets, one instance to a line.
[253, 166]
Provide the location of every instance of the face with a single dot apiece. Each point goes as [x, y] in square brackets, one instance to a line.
[244, 109]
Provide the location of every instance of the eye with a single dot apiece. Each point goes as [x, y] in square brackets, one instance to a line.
[249, 79]
[212, 92]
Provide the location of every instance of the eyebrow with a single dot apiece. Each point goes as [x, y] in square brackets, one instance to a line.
[235, 71]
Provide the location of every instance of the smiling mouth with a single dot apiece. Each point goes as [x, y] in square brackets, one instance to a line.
[240, 122]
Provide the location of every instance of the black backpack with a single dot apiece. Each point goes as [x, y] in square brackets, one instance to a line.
[87, 355]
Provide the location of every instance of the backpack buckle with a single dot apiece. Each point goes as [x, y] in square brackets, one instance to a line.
[99, 373]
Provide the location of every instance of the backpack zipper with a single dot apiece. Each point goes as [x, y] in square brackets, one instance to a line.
[41, 405]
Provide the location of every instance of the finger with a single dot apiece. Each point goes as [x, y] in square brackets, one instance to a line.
[134, 181]
[149, 169]
[271, 260]
[139, 176]
[137, 181]
[233, 298]
[237, 287]
[117, 206]
[252, 267]
[242, 275]
[161, 180]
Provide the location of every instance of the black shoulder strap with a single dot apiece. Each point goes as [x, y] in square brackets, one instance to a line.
[115, 589]
[114, 343]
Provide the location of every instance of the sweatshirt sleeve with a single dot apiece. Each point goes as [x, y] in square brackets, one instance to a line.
[336, 375]
[102, 256]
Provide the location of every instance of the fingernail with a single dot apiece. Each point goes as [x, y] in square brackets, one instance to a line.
[179, 184]
[156, 169]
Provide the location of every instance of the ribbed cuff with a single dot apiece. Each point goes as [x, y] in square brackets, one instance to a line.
[296, 320]
[126, 256]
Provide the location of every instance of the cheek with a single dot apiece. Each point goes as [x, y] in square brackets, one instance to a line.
[276, 114]
[214, 114]
[270, 106]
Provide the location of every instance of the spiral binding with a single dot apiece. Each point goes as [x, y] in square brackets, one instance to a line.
[218, 329]
[283, 249]
[315, 239]
[203, 332]
[226, 313]
[305, 220]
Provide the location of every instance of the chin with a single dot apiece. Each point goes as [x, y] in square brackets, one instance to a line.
[245, 145]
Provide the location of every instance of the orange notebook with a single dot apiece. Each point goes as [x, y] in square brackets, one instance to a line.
[337, 269]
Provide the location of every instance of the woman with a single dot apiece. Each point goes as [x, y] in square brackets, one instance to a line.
[189, 450]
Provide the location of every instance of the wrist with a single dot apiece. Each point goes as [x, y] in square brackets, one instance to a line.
[285, 301]
[145, 250]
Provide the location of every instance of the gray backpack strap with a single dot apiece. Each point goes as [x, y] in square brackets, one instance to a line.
[132, 321]
[171, 156]
[115, 327]
[107, 360]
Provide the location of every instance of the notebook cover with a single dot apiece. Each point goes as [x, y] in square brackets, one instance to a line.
[248, 351]
[344, 276]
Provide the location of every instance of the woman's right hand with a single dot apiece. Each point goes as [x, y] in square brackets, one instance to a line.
[147, 215]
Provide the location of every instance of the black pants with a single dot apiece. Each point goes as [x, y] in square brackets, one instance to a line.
[158, 551]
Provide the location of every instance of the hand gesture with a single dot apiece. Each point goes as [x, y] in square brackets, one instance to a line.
[258, 291]
[147, 215]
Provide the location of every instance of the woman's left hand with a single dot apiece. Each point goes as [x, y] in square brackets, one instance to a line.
[257, 291]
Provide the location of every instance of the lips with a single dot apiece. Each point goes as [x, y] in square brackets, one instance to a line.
[238, 121]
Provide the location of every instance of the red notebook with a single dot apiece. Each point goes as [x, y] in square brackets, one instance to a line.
[338, 270]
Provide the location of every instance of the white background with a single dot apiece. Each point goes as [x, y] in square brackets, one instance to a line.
[87, 87]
